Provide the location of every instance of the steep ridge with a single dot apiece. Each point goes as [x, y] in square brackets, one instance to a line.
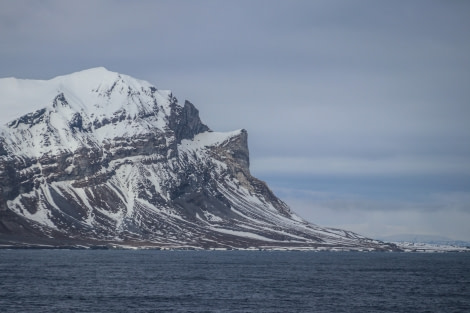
[101, 158]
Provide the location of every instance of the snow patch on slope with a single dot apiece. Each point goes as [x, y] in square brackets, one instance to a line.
[208, 139]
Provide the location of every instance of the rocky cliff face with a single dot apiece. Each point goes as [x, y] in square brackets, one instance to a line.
[103, 158]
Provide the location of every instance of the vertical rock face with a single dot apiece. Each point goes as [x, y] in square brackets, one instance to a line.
[97, 157]
[185, 121]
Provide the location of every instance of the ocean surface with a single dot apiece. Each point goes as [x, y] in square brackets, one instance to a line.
[232, 281]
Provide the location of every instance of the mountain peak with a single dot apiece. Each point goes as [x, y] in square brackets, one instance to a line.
[95, 70]
[83, 90]
[88, 108]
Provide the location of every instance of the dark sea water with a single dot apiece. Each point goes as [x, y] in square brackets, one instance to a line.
[232, 281]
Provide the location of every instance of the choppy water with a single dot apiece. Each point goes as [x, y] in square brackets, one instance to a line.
[232, 281]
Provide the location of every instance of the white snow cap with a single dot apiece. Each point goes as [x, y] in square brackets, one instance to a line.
[91, 98]
[81, 89]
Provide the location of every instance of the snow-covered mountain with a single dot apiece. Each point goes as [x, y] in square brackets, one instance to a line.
[101, 158]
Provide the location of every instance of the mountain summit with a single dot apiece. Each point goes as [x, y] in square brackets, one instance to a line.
[100, 158]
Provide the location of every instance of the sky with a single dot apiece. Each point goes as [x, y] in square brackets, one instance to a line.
[357, 111]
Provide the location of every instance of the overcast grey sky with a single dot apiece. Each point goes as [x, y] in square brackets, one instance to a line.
[357, 111]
